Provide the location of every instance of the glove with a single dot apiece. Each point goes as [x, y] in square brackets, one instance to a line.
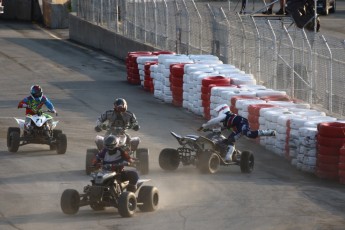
[136, 127]
[26, 106]
[54, 111]
[98, 129]
[200, 129]
[104, 127]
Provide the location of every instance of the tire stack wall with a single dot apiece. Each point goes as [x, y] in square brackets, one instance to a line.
[176, 83]
[330, 138]
[133, 76]
[342, 165]
[205, 91]
[148, 80]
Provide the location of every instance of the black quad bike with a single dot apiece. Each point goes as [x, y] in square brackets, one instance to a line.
[206, 153]
[107, 190]
[140, 155]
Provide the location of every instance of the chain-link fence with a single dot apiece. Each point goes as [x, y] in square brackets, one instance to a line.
[307, 65]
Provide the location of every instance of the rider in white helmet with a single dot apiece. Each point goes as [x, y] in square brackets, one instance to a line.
[239, 126]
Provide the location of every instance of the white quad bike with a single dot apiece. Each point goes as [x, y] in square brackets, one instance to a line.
[107, 190]
[140, 155]
[41, 130]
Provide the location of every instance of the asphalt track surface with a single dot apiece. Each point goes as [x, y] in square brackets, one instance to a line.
[82, 83]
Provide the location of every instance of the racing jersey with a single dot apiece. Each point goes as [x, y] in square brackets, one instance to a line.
[118, 157]
[32, 103]
[126, 119]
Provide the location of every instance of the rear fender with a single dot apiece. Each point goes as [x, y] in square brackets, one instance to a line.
[135, 143]
[141, 182]
[99, 141]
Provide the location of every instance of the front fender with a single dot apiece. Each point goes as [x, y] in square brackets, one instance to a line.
[20, 122]
[54, 124]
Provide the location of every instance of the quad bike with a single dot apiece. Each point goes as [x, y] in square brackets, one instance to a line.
[40, 130]
[140, 155]
[206, 153]
[107, 190]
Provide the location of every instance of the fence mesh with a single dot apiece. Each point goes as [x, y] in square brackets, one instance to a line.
[307, 65]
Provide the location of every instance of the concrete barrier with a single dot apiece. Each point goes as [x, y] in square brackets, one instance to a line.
[97, 37]
[55, 14]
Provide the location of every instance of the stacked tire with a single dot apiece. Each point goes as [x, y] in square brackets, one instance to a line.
[148, 80]
[235, 98]
[206, 91]
[176, 83]
[342, 165]
[133, 76]
[254, 114]
[330, 139]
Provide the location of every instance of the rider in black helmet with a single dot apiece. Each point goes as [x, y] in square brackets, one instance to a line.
[114, 155]
[118, 117]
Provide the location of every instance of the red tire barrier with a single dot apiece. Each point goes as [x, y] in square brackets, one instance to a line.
[327, 150]
[235, 98]
[330, 141]
[276, 98]
[327, 159]
[331, 129]
[254, 109]
[215, 80]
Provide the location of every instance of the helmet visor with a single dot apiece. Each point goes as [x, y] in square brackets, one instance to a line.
[120, 108]
[37, 94]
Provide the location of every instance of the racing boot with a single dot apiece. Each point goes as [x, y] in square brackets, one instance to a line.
[229, 153]
[266, 133]
[131, 188]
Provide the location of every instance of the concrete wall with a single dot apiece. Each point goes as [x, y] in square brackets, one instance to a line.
[95, 36]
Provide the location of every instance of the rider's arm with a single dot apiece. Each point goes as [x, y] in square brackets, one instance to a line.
[214, 122]
[23, 103]
[133, 121]
[48, 103]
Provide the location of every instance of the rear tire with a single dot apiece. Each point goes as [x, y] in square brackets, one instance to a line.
[143, 156]
[127, 204]
[247, 162]
[148, 195]
[61, 143]
[169, 159]
[13, 139]
[70, 200]
[90, 155]
[209, 162]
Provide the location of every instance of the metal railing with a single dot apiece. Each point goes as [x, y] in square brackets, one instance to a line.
[307, 65]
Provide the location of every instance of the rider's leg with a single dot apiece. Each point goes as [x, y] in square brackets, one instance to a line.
[132, 177]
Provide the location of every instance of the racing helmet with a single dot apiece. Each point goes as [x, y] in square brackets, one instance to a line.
[222, 109]
[36, 92]
[120, 105]
[110, 142]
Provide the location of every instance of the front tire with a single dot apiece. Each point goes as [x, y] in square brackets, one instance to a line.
[56, 133]
[209, 162]
[13, 139]
[169, 159]
[149, 197]
[247, 162]
[143, 156]
[127, 204]
[70, 200]
[61, 143]
[90, 155]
